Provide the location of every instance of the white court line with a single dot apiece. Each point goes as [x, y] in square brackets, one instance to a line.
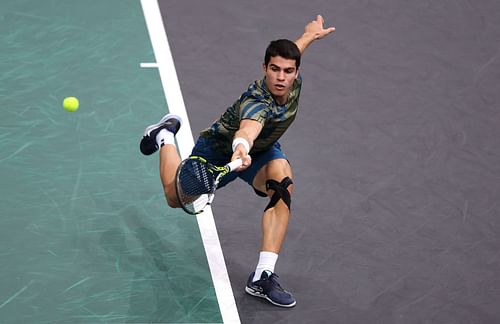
[149, 65]
[175, 102]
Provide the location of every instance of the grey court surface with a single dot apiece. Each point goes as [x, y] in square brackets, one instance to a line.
[395, 152]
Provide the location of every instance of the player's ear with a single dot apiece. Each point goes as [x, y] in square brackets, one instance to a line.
[264, 67]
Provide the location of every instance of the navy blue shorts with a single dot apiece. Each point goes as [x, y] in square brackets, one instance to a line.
[204, 148]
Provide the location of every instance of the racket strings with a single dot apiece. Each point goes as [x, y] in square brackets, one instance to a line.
[196, 184]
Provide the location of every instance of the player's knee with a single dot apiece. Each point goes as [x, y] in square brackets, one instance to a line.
[173, 203]
[172, 200]
[281, 191]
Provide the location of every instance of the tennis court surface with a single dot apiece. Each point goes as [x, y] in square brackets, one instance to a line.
[85, 235]
[395, 154]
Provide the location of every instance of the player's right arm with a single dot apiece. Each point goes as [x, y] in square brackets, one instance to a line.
[248, 131]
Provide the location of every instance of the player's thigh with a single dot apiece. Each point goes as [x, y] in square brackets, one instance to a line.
[277, 169]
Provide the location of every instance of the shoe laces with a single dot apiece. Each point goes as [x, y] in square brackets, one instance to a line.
[274, 279]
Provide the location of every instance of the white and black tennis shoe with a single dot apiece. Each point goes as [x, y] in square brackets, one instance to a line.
[170, 122]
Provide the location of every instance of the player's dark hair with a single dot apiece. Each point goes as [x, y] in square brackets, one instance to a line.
[284, 48]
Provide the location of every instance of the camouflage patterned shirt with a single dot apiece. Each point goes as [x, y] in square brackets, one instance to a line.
[256, 103]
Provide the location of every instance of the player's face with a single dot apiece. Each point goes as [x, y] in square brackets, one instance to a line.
[280, 74]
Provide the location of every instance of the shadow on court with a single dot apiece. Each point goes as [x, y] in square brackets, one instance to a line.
[159, 288]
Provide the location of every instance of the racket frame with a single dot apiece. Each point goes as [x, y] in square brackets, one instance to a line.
[222, 171]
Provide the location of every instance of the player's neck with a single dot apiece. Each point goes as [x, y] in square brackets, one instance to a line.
[281, 100]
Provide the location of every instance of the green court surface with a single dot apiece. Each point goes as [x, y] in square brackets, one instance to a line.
[85, 233]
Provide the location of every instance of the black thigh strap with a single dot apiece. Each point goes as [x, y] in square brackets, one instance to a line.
[280, 192]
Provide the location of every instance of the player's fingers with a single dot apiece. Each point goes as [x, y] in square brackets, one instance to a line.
[320, 20]
[325, 32]
[247, 160]
[329, 30]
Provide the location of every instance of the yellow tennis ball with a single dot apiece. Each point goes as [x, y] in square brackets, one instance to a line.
[71, 104]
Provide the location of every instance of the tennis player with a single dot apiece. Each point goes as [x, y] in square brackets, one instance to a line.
[250, 130]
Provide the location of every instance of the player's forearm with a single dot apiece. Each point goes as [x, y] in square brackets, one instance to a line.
[304, 41]
[249, 130]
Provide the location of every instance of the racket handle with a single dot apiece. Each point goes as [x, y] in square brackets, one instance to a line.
[234, 164]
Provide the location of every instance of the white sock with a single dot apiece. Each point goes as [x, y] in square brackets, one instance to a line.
[267, 261]
[164, 137]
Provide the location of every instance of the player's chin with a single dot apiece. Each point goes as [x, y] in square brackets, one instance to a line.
[279, 91]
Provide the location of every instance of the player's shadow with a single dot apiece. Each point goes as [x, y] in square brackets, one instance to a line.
[154, 289]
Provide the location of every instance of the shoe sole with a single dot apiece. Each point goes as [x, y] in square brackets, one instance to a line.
[150, 128]
[255, 293]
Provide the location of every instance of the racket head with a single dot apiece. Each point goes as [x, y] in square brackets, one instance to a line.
[195, 184]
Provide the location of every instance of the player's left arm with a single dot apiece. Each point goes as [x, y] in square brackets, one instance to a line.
[314, 30]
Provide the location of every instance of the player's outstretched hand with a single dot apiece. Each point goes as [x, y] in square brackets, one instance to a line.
[317, 28]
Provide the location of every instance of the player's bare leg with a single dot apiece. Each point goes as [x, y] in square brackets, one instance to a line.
[169, 161]
[274, 226]
[161, 136]
[275, 219]
[263, 282]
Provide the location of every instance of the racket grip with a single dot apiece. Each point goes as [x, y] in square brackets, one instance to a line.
[234, 164]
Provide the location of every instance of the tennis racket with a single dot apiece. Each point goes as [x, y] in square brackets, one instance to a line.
[197, 180]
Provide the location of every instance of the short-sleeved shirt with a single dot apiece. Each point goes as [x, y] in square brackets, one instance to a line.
[256, 103]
